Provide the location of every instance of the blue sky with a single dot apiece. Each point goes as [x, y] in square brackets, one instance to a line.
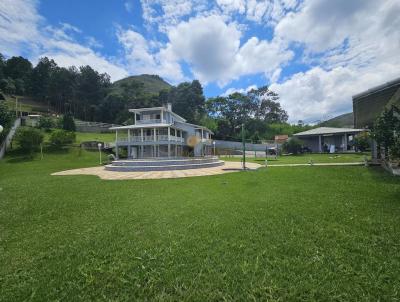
[315, 53]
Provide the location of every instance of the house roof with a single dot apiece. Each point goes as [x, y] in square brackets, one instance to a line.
[368, 105]
[328, 130]
[395, 82]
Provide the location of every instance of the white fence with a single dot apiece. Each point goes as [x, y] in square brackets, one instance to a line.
[10, 135]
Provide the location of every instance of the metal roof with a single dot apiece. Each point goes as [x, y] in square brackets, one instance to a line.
[328, 130]
[394, 82]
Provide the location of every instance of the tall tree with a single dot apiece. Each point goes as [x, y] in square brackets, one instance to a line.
[256, 109]
[41, 79]
[62, 89]
[188, 101]
[91, 88]
[19, 70]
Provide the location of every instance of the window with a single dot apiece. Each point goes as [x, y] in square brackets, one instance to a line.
[158, 117]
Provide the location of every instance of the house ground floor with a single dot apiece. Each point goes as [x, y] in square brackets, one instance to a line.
[326, 139]
[171, 150]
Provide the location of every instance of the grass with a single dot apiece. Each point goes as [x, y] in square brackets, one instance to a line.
[87, 136]
[284, 234]
[26, 105]
[305, 158]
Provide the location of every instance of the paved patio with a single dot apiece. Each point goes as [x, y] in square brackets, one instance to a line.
[228, 167]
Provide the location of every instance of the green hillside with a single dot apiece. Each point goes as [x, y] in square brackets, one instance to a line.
[342, 121]
[152, 84]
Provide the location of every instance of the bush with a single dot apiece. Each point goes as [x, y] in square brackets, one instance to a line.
[61, 137]
[6, 119]
[46, 123]
[67, 123]
[293, 145]
[362, 141]
[29, 139]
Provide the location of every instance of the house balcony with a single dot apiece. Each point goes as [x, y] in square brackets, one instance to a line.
[151, 121]
[150, 138]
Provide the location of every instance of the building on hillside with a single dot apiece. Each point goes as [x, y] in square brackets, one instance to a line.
[31, 120]
[368, 105]
[280, 139]
[327, 139]
[159, 132]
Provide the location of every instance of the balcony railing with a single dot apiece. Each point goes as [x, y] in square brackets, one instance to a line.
[151, 138]
[151, 121]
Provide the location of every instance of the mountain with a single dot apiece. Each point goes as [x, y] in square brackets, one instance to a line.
[152, 84]
[342, 121]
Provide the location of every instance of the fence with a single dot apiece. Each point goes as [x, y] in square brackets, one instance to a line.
[94, 127]
[6, 143]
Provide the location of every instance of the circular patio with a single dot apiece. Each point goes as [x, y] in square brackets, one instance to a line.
[101, 172]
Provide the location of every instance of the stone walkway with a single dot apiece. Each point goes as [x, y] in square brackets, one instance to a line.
[228, 167]
[318, 164]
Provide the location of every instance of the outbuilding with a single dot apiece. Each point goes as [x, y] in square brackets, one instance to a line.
[328, 139]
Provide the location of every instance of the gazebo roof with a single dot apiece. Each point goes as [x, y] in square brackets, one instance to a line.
[328, 130]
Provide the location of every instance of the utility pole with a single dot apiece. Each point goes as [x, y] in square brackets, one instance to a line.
[244, 148]
[16, 106]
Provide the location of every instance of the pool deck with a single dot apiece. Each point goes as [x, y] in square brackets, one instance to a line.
[101, 172]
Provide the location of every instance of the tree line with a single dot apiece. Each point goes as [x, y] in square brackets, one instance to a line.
[88, 95]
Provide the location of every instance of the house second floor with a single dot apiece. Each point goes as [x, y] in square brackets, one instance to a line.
[155, 115]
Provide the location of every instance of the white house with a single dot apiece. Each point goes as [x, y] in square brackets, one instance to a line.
[158, 132]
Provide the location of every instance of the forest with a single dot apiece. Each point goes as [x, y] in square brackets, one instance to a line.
[91, 96]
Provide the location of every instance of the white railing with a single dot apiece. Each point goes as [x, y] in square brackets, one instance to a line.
[151, 121]
[150, 138]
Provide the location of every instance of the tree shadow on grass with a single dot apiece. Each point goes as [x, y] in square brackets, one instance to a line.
[20, 156]
[379, 174]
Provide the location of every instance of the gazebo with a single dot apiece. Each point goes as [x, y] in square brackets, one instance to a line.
[318, 138]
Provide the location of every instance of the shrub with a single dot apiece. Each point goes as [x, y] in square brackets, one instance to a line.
[61, 137]
[29, 139]
[67, 123]
[386, 132]
[362, 141]
[292, 145]
[46, 123]
[6, 119]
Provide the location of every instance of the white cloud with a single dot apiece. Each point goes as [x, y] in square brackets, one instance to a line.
[318, 93]
[231, 90]
[129, 6]
[24, 32]
[361, 52]
[18, 25]
[212, 48]
[164, 14]
[140, 59]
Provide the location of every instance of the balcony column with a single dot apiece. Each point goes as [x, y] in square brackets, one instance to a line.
[141, 135]
[162, 115]
[169, 145]
[319, 144]
[135, 117]
[129, 143]
[202, 146]
[154, 145]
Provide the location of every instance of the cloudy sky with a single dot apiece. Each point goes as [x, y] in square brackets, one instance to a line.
[315, 53]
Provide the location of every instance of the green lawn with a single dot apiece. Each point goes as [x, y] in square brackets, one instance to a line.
[305, 158]
[285, 234]
[103, 137]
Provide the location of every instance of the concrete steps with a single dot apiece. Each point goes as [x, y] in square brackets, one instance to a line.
[163, 164]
